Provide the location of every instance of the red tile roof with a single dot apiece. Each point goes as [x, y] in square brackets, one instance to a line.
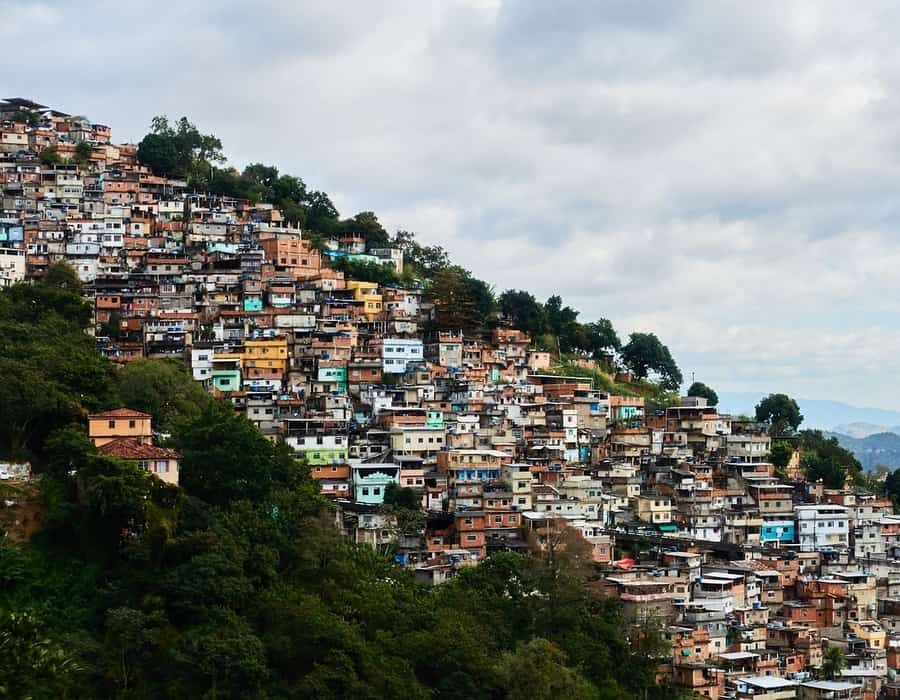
[120, 413]
[129, 448]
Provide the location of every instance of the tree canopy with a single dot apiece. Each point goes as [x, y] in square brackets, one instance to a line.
[823, 458]
[703, 391]
[50, 367]
[180, 151]
[644, 353]
[781, 412]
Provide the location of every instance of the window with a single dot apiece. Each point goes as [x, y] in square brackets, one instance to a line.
[111, 424]
[472, 538]
[376, 491]
[498, 518]
[365, 490]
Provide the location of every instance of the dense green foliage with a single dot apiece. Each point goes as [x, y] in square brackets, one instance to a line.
[780, 455]
[237, 584]
[703, 391]
[823, 458]
[781, 412]
[556, 327]
[163, 388]
[51, 371]
[180, 151]
[644, 353]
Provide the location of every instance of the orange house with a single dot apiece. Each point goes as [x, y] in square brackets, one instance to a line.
[120, 423]
[470, 531]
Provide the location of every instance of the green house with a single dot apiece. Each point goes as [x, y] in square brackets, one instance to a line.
[226, 379]
[336, 375]
[321, 456]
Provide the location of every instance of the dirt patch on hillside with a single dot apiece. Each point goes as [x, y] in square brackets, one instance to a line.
[21, 510]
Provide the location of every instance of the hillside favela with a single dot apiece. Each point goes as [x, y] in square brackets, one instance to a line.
[256, 447]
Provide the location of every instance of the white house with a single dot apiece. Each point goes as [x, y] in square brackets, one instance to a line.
[823, 525]
[397, 353]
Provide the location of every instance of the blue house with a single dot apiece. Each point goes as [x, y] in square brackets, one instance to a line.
[777, 531]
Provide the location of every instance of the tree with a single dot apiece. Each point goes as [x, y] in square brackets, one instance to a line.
[536, 670]
[780, 455]
[824, 458]
[321, 214]
[644, 353]
[24, 115]
[892, 486]
[523, 311]
[399, 497]
[454, 307]
[225, 459]
[51, 369]
[83, 152]
[701, 390]
[366, 225]
[781, 412]
[602, 339]
[482, 295]
[50, 156]
[180, 150]
[32, 663]
[63, 276]
[833, 662]
[424, 260]
[163, 388]
[112, 328]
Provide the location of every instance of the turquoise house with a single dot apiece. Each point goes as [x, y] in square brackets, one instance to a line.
[336, 375]
[370, 481]
[778, 531]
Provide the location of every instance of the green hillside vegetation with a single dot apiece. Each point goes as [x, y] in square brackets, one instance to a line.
[237, 584]
[605, 380]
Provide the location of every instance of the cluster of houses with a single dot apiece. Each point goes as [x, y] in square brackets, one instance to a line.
[751, 574]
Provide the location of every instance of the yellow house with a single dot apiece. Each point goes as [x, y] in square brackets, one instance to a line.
[268, 353]
[869, 630]
[654, 508]
[367, 292]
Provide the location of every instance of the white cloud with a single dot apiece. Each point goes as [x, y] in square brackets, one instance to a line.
[721, 173]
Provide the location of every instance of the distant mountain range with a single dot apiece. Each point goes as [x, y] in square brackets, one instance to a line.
[872, 434]
[873, 450]
[817, 413]
[863, 430]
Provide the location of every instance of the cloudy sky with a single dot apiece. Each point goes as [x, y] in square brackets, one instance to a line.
[721, 173]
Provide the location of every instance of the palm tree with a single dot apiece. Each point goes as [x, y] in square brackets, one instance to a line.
[832, 662]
